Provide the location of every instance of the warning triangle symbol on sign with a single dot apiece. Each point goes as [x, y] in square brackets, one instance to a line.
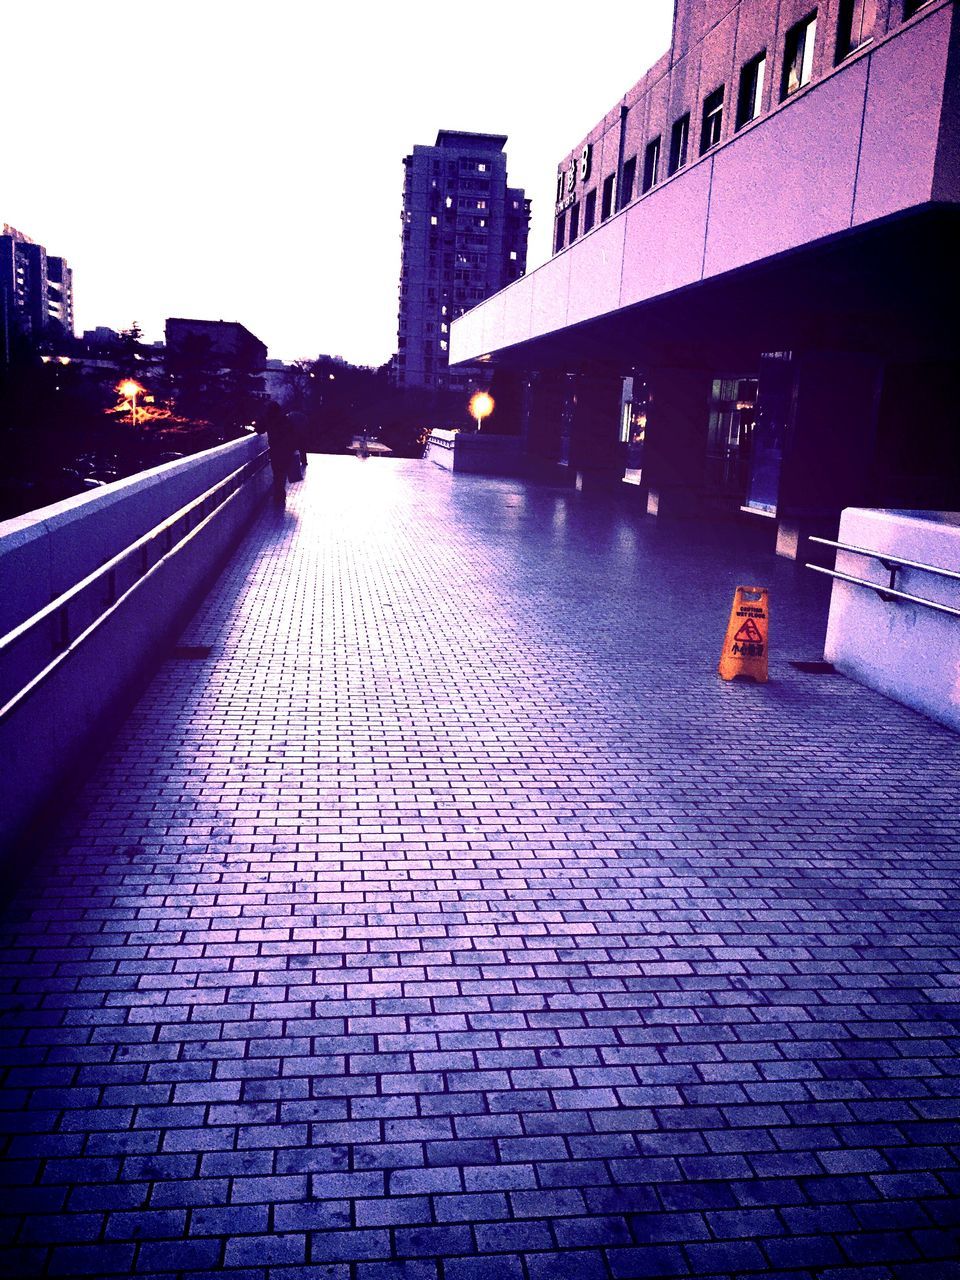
[749, 633]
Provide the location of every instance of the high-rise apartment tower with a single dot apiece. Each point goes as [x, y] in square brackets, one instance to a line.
[464, 238]
[36, 289]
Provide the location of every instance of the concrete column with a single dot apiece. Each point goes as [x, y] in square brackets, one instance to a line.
[827, 463]
[596, 455]
[917, 459]
[506, 388]
[675, 449]
[543, 413]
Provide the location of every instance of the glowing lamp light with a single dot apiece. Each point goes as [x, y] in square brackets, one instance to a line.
[481, 406]
[130, 389]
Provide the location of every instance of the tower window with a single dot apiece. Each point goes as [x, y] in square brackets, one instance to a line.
[750, 97]
[651, 165]
[589, 210]
[627, 181]
[712, 120]
[606, 198]
[679, 139]
[798, 55]
[855, 25]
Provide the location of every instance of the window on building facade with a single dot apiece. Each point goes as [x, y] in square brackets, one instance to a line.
[651, 165]
[679, 138]
[606, 198]
[750, 97]
[732, 420]
[712, 125]
[855, 25]
[574, 222]
[589, 210]
[798, 55]
[626, 182]
[910, 7]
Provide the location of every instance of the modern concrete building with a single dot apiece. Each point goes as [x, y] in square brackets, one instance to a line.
[749, 307]
[464, 237]
[36, 289]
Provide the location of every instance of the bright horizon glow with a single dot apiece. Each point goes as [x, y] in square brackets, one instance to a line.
[261, 148]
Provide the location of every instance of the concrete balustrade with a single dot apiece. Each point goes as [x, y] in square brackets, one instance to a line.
[67, 676]
[479, 453]
[911, 652]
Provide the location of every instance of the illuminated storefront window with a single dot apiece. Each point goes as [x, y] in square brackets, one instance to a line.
[733, 416]
[634, 407]
[746, 435]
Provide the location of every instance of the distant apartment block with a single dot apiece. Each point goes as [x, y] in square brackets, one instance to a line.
[464, 233]
[36, 289]
[60, 293]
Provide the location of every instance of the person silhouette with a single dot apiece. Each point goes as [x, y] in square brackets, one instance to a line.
[276, 426]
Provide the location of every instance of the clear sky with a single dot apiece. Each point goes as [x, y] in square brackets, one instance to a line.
[237, 161]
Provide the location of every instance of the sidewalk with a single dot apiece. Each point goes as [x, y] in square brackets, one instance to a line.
[453, 921]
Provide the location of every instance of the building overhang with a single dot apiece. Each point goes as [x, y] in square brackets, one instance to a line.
[886, 288]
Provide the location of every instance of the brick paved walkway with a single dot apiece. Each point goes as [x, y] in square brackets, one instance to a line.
[454, 920]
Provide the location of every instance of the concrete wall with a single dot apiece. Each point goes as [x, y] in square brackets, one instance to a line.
[46, 736]
[440, 448]
[862, 141]
[44, 552]
[483, 453]
[909, 652]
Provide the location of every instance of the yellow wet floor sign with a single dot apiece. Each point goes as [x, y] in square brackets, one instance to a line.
[745, 644]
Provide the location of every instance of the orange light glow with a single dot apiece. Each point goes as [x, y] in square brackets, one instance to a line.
[481, 405]
[129, 388]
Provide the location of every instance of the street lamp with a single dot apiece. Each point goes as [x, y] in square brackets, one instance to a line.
[58, 361]
[481, 406]
[130, 389]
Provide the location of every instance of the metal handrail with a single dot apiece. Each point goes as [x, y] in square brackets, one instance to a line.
[108, 570]
[886, 593]
[892, 564]
[885, 559]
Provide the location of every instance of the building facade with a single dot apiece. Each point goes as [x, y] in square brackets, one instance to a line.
[60, 294]
[464, 237]
[748, 307]
[223, 344]
[36, 289]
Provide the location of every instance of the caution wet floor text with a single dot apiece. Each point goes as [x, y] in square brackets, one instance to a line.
[745, 644]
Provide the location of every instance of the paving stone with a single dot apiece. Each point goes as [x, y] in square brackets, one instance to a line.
[453, 920]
